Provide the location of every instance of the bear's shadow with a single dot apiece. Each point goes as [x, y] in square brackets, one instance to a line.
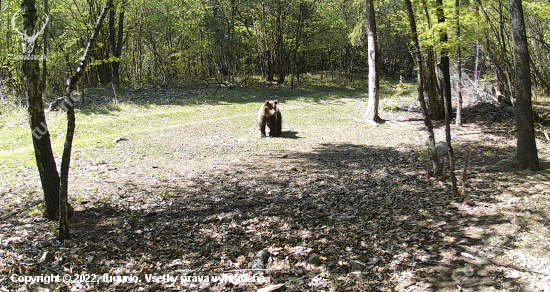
[289, 135]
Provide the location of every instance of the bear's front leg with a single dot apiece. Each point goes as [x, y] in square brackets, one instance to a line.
[262, 129]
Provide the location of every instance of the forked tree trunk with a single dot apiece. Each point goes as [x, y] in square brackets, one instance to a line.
[526, 152]
[371, 113]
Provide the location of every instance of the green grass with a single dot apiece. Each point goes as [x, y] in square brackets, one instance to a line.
[312, 108]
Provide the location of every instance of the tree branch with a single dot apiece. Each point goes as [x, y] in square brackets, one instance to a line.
[66, 160]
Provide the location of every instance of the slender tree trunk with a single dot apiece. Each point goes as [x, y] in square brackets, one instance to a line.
[504, 50]
[45, 49]
[280, 51]
[498, 57]
[459, 65]
[444, 66]
[65, 163]
[427, 120]
[45, 161]
[454, 185]
[67, 149]
[297, 42]
[476, 71]
[116, 43]
[444, 63]
[371, 114]
[526, 152]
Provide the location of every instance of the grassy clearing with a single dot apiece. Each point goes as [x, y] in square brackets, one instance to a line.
[305, 110]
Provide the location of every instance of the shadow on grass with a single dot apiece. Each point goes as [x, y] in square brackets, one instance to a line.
[342, 201]
[97, 100]
[100, 109]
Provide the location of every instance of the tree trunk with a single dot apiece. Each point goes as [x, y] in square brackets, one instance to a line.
[444, 66]
[454, 186]
[45, 161]
[503, 41]
[280, 52]
[116, 43]
[435, 106]
[427, 120]
[459, 65]
[67, 149]
[526, 152]
[499, 58]
[444, 63]
[65, 163]
[297, 43]
[371, 113]
[45, 49]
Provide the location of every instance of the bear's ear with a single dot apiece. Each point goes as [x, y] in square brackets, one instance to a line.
[274, 102]
[266, 102]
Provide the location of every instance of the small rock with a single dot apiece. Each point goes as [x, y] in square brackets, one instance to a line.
[46, 257]
[314, 259]
[357, 265]
[273, 288]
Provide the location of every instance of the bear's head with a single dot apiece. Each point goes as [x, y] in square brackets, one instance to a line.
[270, 108]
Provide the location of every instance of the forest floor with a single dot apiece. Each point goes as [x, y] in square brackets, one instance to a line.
[164, 183]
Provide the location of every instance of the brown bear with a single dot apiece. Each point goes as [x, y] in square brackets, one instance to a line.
[269, 115]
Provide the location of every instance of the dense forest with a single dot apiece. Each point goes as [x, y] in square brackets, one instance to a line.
[218, 41]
